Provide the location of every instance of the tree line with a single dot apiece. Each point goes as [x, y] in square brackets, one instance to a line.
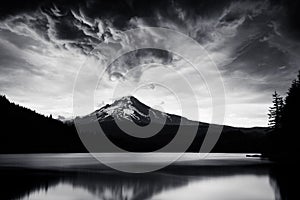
[284, 118]
[26, 131]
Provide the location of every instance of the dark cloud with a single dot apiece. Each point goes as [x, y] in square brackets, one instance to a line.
[291, 20]
[83, 24]
[15, 7]
[123, 66]
[120, 11]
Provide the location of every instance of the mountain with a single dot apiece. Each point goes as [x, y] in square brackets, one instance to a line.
[128, 110]
[25, 131]
[131, 109]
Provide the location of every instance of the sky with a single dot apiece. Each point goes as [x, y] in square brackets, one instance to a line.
[254, 44]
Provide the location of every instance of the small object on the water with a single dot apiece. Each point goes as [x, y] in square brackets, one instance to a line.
[253, 155]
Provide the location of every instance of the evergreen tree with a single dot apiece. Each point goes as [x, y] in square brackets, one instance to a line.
[285, 121]
[291, 111]
[275, 112]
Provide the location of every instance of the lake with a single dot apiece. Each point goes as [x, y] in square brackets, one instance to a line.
[80, 176]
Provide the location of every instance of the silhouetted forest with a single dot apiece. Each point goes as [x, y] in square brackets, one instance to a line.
[284, 118]
[25, 131]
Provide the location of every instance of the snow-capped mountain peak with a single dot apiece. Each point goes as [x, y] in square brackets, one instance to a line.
[127, 108]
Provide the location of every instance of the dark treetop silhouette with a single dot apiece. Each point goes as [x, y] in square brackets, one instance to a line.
[284, 121]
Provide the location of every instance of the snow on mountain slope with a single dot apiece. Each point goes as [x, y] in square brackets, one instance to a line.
[129, 108]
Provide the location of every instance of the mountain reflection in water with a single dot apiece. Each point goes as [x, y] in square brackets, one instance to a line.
[226, 182]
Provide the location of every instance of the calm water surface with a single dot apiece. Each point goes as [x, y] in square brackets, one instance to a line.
[77, 177]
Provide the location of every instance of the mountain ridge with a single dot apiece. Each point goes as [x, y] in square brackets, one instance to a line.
[132, 109]
[127, 110]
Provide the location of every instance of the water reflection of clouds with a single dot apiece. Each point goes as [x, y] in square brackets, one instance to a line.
[205, 183]
[238, 187]
[62, 191]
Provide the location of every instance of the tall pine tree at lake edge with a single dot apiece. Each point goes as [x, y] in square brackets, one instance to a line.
[284, 120]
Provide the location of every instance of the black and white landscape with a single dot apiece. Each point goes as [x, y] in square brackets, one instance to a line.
[39, 134]
[243, 84]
